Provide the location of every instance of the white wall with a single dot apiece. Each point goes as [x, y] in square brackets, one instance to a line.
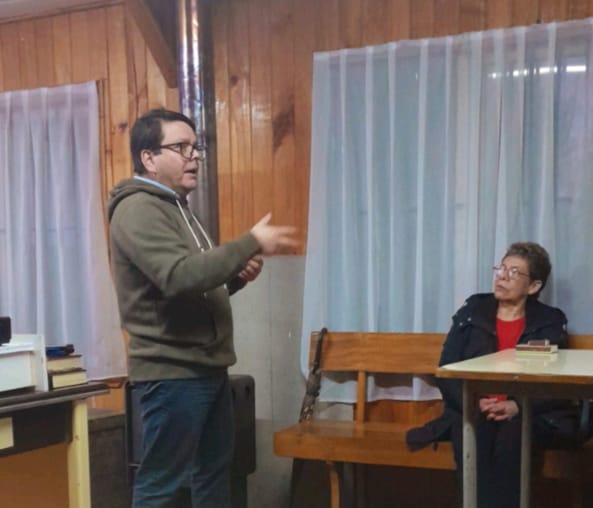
[267, 316]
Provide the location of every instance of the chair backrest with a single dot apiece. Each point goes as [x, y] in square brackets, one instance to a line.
[402, 353]
[580, 342]
[364, 353]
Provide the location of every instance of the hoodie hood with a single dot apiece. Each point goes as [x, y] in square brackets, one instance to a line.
[131, 186]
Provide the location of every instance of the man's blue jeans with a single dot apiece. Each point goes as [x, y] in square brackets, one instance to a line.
[188, 443]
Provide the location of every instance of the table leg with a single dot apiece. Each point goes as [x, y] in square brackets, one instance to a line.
[470, 492]
[334, 484]
[525, 451]
[79, 489]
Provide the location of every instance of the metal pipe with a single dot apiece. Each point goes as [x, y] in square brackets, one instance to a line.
[196, 100]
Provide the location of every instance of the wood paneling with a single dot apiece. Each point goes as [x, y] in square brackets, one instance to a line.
[525, 12]
[327, 25]
[44, 54]
[304, 22]
[283, 75]
[222, 79]
[9, 37]
[421, 18]
[400, 20]
[352, 18]
[99, 44]
[500, 14]
[239, 67]
[27, 47]
[37, 478]
[160, 47]
[117, 85]
[80, 46]
[263, 51]
[447, 12]
[260, 84]
[62, 43]
[472, 15]
[377, 20]
[553, 10]
[97, 26]
[578, 8]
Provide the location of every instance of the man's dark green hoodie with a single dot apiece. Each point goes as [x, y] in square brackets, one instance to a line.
[172, 286]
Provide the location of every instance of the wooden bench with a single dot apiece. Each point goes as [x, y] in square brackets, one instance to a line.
[376, 434]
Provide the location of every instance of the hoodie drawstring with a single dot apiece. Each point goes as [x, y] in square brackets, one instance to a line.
[193, 233]
[191, 229]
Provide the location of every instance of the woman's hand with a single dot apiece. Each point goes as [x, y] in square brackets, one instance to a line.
[498, 410]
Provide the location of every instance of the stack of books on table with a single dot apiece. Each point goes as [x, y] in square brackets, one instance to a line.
[65, 371]
[536, 348]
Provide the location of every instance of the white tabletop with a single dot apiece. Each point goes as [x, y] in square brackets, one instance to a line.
[564, 366]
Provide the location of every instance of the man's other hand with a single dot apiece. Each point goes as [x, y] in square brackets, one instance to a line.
[252, 268]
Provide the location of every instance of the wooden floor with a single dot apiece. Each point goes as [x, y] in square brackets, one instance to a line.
[389, 487]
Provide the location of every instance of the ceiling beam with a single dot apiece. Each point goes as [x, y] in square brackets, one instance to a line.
[154, 39]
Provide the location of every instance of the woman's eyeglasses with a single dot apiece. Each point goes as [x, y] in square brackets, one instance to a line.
[512, 273]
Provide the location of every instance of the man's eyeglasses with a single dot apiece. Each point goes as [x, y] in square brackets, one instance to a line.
[513, 272]
[187, 150]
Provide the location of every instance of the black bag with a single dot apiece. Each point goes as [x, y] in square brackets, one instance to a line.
[564, 427]
[431, 432]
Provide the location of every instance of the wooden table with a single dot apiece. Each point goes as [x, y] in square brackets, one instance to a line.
[36, 419]
[566, 374]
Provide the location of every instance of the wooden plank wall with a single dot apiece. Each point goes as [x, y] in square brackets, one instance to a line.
[263, 69]
[263, 65]
[101, 44]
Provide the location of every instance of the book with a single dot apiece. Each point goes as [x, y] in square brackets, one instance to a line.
[59, 363]
[531, 349]
[538, 342]
[66, 377]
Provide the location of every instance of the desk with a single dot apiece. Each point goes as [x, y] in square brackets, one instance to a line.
[37, 419]
[566, 374]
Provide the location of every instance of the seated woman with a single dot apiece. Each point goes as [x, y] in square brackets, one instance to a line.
[491, 322]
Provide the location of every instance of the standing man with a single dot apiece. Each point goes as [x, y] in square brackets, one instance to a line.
[173, 290]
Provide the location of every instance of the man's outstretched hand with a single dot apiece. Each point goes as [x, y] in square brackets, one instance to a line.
[273, 238]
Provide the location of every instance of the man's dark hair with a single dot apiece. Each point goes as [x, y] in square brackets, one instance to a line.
[537, 259]
[147, 133]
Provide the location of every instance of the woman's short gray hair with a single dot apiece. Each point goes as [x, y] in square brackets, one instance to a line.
[537, 259]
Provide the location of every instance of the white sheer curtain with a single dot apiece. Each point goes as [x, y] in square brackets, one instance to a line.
[54, 271]
[429, 158]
